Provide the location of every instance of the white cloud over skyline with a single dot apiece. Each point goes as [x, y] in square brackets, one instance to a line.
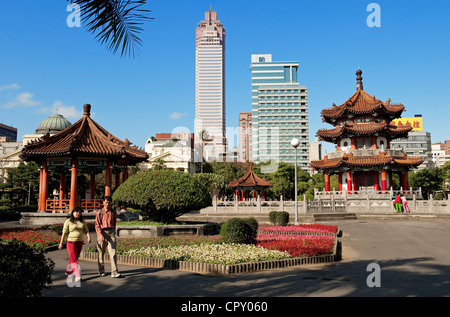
[177, 115]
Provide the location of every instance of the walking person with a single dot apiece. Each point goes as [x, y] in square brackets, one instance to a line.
[405, 203]
[74, 229]
[105, 227]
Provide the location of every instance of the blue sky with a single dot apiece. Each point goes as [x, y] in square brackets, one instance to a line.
[44, 64]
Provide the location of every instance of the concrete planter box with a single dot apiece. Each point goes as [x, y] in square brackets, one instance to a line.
[208, 268]
[198, 229]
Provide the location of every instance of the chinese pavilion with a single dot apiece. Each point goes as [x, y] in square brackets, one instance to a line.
[83, 147]
[250, 182]
[364, 159]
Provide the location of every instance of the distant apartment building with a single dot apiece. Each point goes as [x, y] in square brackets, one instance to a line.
[279, 111]
[315, 151]
[174, 150]
[245, 137]
[10, 133]
[417, 144]
[440, 153]
[210, 86]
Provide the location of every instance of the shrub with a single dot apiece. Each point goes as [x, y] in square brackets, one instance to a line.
[7, 214]
[5, 202]
[279, 218]
[237, 230]
[27, 208]
[162, 195]
[24, 271]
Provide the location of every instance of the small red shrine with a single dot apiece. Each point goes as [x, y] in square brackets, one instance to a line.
[362, 133]
[250, 182]
[83, 147]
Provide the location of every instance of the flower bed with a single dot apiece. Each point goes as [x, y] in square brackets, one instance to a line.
[298, 245]
[224, 254]
[34, 237]
[299, 229]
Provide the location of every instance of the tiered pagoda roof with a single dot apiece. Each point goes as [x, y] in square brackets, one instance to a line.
[382, 128]
[250, 179]
[84, 138]
[361, 103]
[382, 159]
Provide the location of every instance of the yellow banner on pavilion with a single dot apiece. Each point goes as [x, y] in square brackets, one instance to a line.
[415, 122]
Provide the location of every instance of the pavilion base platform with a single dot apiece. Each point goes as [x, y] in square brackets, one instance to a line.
[49, 218]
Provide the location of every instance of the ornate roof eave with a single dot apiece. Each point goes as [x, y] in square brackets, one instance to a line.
[349, 161]
[84, 138]
[364, 129]
[250, 179]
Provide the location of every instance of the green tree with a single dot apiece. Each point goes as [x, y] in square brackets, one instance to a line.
[24, 178]
[429, 180]
[159, 164]
[215, 183]
[116, 23]
[162, 195]
[230, 171]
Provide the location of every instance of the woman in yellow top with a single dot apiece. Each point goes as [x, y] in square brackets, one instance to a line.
[74, 229]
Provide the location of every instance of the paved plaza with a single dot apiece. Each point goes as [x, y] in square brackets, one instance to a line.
[413, 257]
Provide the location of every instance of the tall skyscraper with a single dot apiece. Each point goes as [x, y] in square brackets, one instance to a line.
[279, 112]
[245, 137]
[210, 85]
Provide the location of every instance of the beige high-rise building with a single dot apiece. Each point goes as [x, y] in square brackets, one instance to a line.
[210, 86]
[245, 137]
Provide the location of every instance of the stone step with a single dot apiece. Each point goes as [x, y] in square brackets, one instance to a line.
[302, 218]
[334, 216]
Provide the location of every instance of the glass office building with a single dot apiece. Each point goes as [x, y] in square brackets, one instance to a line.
[279, 112]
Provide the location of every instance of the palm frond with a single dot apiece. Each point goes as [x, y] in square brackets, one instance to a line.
[116, 23]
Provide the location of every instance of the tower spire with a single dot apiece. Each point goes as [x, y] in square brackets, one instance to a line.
[359, 84]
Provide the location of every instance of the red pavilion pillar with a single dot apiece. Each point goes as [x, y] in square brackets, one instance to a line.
[327, 181]
[108, 179]
[355, 181]
[45, 177]
[374, 142]
[405, 183]
[340, 181]
[375, 180]
[383, 179]
[92, 185]
[117, 182]
[73, 185]
[349, 180]
[41, 190]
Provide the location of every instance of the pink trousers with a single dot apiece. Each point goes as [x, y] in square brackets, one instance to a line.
[74, 249]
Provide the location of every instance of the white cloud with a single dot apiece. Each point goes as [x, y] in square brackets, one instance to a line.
[176, 115]
[24, 99]
[67, 111]
[8, 87]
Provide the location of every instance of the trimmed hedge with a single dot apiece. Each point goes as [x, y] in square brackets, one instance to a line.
[279, 218]
[237, 230]
[162, 195]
